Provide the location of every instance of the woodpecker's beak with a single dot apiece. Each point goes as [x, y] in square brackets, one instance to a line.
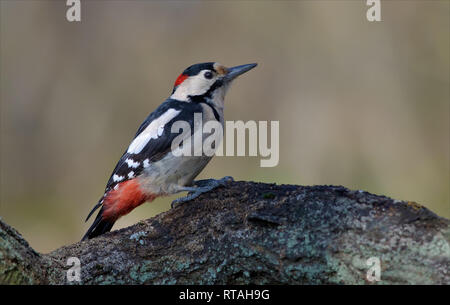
[234, 72]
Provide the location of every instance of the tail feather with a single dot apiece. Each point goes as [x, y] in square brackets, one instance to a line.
[116, 203]
[99, 204]
[99, 226]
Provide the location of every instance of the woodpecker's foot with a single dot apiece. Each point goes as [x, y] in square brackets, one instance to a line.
[201, 186]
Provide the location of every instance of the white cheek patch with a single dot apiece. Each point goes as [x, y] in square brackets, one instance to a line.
[153, 131]
[193, 85]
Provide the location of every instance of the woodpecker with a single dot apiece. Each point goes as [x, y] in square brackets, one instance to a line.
[148, 168]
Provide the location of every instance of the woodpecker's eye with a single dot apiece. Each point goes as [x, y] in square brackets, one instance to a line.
[208, 75]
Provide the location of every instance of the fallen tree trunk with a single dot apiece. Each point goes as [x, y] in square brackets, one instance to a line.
[254, 233]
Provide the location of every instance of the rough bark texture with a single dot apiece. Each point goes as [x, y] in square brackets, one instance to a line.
[253, 233]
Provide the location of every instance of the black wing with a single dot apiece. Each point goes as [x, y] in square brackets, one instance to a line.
[131, 165]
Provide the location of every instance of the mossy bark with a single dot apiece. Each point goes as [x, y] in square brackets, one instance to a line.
[253, 233]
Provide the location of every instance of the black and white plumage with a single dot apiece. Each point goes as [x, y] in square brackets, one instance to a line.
[148, 168]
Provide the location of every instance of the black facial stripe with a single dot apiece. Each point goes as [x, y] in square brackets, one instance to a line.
[203, 98]
[216, 114]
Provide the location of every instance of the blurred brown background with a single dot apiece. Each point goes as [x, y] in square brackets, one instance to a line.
[360, 104]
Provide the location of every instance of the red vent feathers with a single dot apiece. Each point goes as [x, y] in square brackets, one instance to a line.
[180, 79]
[125, 198]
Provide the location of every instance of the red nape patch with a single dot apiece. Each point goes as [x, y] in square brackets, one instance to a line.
[124, 199]
[180, 79]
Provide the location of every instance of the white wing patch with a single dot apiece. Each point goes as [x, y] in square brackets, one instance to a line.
[153, 131]
[160, 130]
[132, 163]
[146, 163]
[117, 178]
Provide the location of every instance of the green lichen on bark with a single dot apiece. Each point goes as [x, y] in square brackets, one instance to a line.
[240, 235]
[19, 263]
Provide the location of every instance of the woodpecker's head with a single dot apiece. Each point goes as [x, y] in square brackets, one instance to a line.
[206, 81]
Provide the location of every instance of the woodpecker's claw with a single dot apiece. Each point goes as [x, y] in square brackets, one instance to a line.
[201, 186]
